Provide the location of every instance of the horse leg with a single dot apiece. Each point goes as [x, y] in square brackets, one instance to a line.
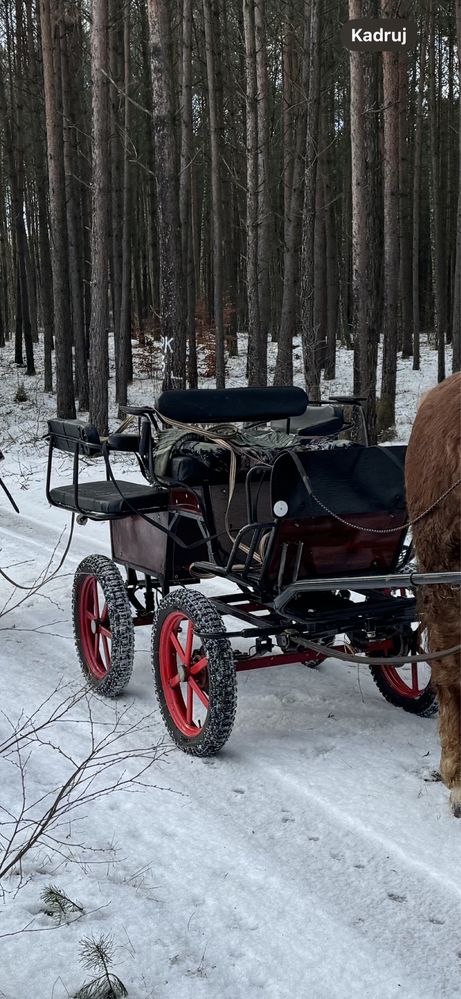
[449, 698]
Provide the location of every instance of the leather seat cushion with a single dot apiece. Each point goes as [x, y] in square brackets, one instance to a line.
[104, 498]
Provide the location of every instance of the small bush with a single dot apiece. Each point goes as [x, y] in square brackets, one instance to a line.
[21, 394]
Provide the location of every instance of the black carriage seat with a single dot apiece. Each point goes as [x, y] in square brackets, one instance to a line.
[208, 462]
[234, 405]
[105, 500]
[315, 421]
[102, 499]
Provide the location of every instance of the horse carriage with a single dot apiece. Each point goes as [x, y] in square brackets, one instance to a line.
[284, 503]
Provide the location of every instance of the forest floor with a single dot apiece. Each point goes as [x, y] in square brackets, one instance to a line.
[311, 858]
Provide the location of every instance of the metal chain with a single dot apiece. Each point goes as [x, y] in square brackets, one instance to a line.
[386, 530]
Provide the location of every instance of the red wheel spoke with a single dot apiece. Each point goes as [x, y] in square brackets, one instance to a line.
[178, 671]
[94, 593]
[106, 657]
[414, 677]
[190, 704]
[190, 639]
[99, 613]
[198, 667]
[179, 649]
[200, 693]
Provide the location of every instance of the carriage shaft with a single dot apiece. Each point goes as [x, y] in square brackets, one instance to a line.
[363, 583]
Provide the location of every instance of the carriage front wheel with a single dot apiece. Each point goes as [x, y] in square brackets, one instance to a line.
[103, 625]
[194, 672]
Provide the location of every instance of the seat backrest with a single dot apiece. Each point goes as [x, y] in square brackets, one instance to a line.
[74, 436]
[347, 480]
[234, 405]
[364, 490]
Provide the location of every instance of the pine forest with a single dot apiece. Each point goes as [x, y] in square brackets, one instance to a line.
[226, 173]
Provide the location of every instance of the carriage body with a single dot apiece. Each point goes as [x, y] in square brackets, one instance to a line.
[313, 540]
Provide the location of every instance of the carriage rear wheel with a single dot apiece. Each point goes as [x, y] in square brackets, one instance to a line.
[194, 675]
[103, 625]
[408, 687]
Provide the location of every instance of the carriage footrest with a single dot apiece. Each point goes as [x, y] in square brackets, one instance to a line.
[107, 499]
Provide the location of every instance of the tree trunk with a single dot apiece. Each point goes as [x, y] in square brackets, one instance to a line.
[457, 286]
[255, 347]
[18, 329]
[265, 229]
[116, 101]
[329, 202]
[391, 232]
[320, 267]
[172, 323]
[417, 197]
[365, 265]
[216, 190]
[450, 130]
[309, 332]
[64, 381]
[436, 214]
[99, 353]
[67, 30]
[293, 223]
[406, 289]
[185, 193]
[125, 355]
[18, 190]
[39, 166]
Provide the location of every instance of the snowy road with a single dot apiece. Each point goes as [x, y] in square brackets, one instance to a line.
[310, 858]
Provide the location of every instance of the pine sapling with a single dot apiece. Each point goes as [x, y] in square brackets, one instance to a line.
[57, 905]
[98, 956]
[21, 394]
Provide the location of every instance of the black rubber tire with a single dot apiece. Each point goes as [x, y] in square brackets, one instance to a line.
[106, 573]
[425, 706]
[221, 675]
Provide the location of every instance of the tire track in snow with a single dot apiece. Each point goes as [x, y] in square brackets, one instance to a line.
[355, 888]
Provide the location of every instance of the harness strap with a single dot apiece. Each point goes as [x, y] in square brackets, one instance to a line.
[222, 442]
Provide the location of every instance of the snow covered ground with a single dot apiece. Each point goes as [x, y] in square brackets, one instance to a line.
[311, 858]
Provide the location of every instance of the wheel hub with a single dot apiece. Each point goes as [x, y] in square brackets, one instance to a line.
[94, 627]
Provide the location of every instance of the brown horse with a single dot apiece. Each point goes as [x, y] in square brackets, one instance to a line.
[433, 465]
